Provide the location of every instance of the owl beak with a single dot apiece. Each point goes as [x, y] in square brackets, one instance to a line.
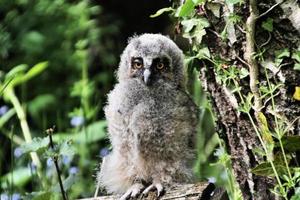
[147, 74]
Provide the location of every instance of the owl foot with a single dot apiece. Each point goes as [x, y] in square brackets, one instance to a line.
[133, 191]
[157, 186]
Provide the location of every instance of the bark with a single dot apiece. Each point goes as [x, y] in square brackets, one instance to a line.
[233, 126]
[198, 191]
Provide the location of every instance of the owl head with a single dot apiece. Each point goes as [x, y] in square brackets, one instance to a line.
[152, 58]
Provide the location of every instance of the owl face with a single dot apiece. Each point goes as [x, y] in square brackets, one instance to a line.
[152, 58]
[151, 69]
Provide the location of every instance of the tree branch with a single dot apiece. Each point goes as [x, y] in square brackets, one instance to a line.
[249, 53]
[178, 192]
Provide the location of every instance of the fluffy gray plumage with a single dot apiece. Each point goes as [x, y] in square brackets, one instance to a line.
[151, 120]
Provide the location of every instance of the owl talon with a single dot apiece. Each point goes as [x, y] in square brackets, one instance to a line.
[157, 186]
[133, 191]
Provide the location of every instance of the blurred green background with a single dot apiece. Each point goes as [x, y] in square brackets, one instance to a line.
[57, 63]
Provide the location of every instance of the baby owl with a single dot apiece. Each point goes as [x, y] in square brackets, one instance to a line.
[151, 120]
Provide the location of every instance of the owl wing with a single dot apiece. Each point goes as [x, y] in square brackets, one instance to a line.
[193, 116]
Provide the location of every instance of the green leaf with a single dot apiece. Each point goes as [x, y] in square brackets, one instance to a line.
[92, 133]
[265, 168]
[203, 53]
[41, 103]
[194, 28]
[66, 148]
[296, 56]
[282, 53]
[185, 9]
[291, 143]
[268, 25]
[41, 195]
[15, 71]
[34, 71]
[297, 66]
[243, 73]
[161, 11]
[37, 144]
[296, 196]
[234, 1]
[67, 183]
[266, 134]
[20, 177]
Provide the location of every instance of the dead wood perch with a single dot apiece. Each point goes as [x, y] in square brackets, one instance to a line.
[198, 191]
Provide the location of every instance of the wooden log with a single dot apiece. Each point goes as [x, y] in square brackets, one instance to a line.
[198, 191]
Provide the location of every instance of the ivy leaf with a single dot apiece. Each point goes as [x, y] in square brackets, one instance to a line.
[296, 56]
[161, 11]
[185, 9]
[297, 66]
[268, 25]
[203, 53]
[243, 73]
[282, 53]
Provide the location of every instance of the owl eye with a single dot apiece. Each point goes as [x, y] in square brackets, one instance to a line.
[137, 63]
[160, 65]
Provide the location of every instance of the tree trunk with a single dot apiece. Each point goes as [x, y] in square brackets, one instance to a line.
[252, 43]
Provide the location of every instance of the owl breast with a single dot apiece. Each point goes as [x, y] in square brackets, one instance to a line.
[153, 118]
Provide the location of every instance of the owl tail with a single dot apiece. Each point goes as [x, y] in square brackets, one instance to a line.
[113, 174]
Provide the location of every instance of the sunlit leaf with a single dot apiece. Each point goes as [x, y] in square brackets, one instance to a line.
[296, 94]
[282, 53]
[37, 144]
[161, 11]
[268, 25]
[34, 71]
[297, 66]
[265, 132]
[296, 56]
[185, 9]
[203, 53]
[66, 148]
[234, 1]
[296, 196]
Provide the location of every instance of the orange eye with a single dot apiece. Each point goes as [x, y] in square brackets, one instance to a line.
[160, 65]
[137, 65]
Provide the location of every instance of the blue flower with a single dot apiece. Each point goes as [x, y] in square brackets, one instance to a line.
[16, 196]
[73, 170]
[77, 121]
[4, 196]
[3, 110]
[49, 162]
[104, 152]
[66, 159]
[18, 152]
